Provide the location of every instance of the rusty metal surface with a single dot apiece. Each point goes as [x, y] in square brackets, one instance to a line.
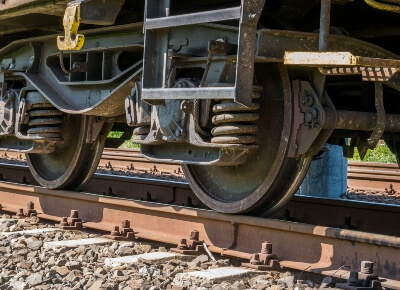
[361, 175]
[297, 245]
[119, 159]
[128, 159]
[373, 176]
[342, 213]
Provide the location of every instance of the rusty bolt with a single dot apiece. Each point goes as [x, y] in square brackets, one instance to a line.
[367, 267]
[125, 224]
[182, 245]
[108, 165]
[255, 259]
[20, 213]
[115, 232]
[266, 248]
[74, 214]
[194, 236]
[30, 205]
[64, 221]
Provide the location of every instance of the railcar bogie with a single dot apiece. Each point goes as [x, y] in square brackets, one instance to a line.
[243, 93]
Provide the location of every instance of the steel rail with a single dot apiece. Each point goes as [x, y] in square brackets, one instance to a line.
[373, 176]
[359, 215]
[378, 175]
[119, 159]
[297, 245]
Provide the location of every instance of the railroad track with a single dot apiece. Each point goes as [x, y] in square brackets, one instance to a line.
[367, 176]
[330, 233]
[361, 175]
[80, 259]
[323, 249]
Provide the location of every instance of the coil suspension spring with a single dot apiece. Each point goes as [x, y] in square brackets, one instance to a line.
[44, 120]
[235, 122]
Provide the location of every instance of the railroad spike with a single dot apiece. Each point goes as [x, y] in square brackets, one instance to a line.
[73, 222]
[191, 246]
[264, 260]
[363, 280]
[30, 211]
[123, 233]
[20, 214]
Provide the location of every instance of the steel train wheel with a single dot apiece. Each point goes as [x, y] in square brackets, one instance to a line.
[269, 178]
[72, 163]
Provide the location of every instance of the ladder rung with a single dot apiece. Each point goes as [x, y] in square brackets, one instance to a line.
[193, 18]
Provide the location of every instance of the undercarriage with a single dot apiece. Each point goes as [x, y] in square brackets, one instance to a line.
[242, 93]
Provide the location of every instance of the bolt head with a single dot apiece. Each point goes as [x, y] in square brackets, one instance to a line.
[255, 259]
[194, 236]
[182, 244]
[126, 224]
[74, 214]
[308, 117]
[367, 265]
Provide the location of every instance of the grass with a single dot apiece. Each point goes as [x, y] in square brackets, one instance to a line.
[380, 154]
[127, 144]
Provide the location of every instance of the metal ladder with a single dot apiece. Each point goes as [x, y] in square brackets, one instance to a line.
[156, 29]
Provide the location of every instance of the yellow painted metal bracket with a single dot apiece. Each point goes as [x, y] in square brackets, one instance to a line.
[336, 59]
[345, 63]
[317, 59]
[384, 6]
[72, 19]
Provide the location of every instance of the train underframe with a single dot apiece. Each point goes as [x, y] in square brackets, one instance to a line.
[242, 93]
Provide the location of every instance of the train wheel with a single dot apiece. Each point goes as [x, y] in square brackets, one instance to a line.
[72, 163]
[269, 178]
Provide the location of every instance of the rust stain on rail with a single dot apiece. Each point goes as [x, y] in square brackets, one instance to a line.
[297, 245]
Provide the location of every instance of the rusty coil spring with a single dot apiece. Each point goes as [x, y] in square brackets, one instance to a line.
[44, 120]
[235, 122]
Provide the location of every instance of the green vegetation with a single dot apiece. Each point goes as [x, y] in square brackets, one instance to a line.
[380, 154]
[115, 134]
[129, 144]
[126, 144]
